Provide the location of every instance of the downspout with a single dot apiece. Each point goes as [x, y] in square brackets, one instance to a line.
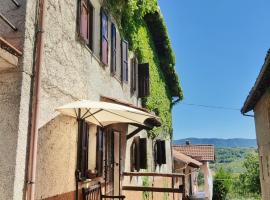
[38, 57]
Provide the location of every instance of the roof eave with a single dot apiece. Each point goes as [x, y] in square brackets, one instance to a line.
[251, 99]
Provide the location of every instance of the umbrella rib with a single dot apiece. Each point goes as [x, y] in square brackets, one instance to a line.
[123, 116]
[88, 110]
[92, 114]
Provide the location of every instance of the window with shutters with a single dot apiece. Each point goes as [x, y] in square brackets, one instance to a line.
[82, 154]
[113, 49]
[138, 153]
[143, 82]
[134, 75]
[86, 16]
[90, 151]
[160, 152]
[124, 57]
[104, 37]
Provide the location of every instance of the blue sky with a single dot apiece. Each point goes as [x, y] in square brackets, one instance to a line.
[220, 47]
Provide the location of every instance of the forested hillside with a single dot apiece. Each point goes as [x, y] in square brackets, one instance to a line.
[218, 142]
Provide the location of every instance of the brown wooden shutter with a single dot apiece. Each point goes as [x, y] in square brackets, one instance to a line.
[134, 72]
[82, 153]
[143, 75]
[124, 56]
[137, 153]
[99, 152]
[143, 153]
[158, 152]
[84, 23]
[113, 49]
[104, 37]
[163, 152]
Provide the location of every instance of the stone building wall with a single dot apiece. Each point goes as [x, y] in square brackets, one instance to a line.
[262, 122]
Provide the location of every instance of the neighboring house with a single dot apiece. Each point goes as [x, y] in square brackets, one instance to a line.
[204, 154]
[190, 167]
[258, 102]
[57, 52]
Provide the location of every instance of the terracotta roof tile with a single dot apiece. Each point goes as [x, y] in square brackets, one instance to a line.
[198, 152]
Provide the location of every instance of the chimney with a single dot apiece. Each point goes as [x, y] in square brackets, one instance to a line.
[187, 142]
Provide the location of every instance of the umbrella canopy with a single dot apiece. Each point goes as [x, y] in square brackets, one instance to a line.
[104, 113]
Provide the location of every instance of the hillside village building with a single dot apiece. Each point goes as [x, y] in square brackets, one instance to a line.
[74, 120]
[258, 101]
[199, 156]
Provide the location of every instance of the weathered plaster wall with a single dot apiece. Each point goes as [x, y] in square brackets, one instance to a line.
[10, 84]
[262, 122]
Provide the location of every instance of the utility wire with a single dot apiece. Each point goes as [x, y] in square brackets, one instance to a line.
[212, 107]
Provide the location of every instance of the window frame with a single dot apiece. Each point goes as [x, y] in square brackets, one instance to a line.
[113, 49]
[143, 80]
[90, 23]
[104, 37]
[134, 75]
[124, 61]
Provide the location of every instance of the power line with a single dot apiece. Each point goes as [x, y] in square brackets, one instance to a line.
[212, 107]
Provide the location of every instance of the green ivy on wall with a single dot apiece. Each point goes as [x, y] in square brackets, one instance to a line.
[130, 16]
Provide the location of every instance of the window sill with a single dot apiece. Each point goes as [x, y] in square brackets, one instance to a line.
[83, 43]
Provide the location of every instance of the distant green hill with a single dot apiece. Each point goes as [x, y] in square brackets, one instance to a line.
[223, 143]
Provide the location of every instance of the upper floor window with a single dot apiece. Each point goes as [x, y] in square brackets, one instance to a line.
[124, 57]
[143, 75]
[113, 49]
[104, 37]
[86, 17]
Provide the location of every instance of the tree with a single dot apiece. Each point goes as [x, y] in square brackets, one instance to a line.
[221, 185]
[250, 179]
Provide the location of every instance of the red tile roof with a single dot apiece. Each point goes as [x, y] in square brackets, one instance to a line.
[198, 152]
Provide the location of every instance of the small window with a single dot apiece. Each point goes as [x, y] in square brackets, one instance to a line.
[138, 154]
[134, 75]
[113, 49]
[104, 37]
[160, 152]
[143, 75]
[124, 56]
[86, 22]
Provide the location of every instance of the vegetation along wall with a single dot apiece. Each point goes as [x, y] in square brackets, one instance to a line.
[142, 24]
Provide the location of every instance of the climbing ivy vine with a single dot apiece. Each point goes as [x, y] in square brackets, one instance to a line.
[129, 15]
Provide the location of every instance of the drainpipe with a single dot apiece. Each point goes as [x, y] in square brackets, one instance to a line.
[38, 57]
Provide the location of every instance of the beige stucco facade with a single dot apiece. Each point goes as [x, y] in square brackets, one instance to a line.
[70, 71]
[262, 122]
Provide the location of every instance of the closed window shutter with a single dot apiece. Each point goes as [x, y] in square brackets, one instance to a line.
[113, 49]
[99, 156]
[143, 153]
[137, 153]
[158, 152]
[134, 71]
[104, 37]
[124, 56]
[84, 23]
[163, 151]
[82, 154]
[143, 75]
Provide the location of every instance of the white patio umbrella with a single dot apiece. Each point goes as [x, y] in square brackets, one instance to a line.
[104, 113]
